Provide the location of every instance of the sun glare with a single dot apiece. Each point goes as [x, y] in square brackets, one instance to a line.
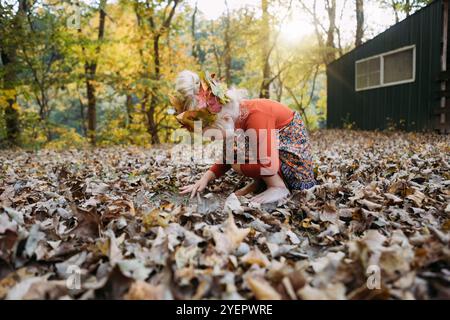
[294, 30]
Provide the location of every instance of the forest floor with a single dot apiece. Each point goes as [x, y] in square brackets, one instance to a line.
[109, 223]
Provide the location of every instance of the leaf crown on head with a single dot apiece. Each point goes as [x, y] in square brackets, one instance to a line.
[212, 96]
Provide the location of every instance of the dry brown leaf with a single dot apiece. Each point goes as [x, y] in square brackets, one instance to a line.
[262, 289]
[256, 257]
[330, 292]
[232, 236]
[370, 205]
[417, 197]
[141, 290]
[382, 199]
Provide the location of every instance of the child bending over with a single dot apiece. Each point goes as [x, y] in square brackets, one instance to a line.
[282, 154]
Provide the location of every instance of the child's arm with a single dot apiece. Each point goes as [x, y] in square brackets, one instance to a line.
[219, 169]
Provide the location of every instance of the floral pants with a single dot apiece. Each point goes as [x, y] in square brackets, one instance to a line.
[295, 155]
[294, 152]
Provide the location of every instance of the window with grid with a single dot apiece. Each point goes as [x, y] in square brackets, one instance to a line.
[368, 73]
[388, 69]
[398, 66]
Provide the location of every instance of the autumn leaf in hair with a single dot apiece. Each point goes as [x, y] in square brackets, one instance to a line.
[177, 103]
[188, 118]
[216, 88]
[206, 100]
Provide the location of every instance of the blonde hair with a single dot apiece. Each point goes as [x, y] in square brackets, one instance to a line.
[188, 85]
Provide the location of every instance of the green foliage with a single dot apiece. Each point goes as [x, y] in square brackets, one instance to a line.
[404, 8]
[115, 132]
[68, 138]
[131, 91]
[3, 104]
[138, 134]
[348, 123]
[2, 127]
[34, 132]
[392, 125]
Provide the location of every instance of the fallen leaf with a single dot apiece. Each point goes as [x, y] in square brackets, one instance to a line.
[141, 290]
[330, 292]
[233, 204]
[232, 236]
[256, 257]
[262, 289]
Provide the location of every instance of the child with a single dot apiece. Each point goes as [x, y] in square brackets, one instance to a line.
[283, 163]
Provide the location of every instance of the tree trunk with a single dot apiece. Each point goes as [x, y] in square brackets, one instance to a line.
[227, 40]
[91, 101]
[152, 125]
[195, 44]
[90, 70]
[330, 43]
[9, 59]
[279, 89]
[83, 118]
[265, 46]
[408, 8]
[11, 111]
[130, 109]
[359, 22]
[227, 59]
[325, 33]
[394, 5]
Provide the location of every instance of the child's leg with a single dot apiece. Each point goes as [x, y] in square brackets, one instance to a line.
[253, 187]
[276, 190]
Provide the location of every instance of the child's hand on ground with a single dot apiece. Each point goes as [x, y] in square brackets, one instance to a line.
[199, 186]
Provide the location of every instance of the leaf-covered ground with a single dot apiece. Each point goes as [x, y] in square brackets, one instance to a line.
[378, 218]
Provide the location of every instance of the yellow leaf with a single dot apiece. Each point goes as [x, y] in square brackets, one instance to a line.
[177, 103]
[156, 218]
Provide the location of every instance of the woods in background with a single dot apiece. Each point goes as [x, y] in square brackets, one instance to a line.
[74, 73]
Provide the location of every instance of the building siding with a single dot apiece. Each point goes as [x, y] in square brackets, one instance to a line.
[407, 106]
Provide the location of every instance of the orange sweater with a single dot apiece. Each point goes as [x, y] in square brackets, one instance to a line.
[263, 114]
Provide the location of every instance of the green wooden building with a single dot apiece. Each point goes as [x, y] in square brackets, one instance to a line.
[396, 80]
